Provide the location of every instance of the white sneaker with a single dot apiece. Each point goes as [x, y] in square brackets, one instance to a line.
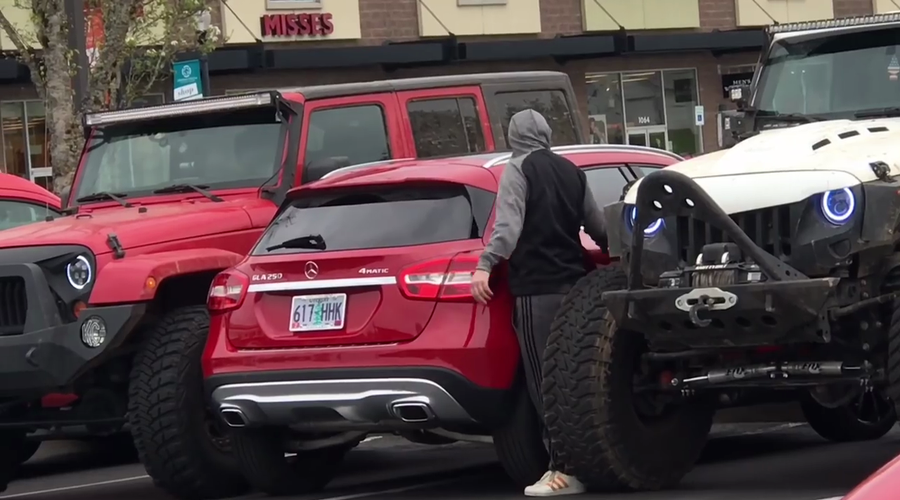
[553, 484]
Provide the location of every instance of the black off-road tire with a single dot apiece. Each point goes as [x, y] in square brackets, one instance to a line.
[168, 416]
[842, 424]
[520, 443]
[893, 357]
[588, 405]
[262, 461]
[13, 447]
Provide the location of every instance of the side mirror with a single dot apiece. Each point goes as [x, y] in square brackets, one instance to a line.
[740, 95]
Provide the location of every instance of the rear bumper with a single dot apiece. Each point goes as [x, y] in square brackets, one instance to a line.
[366, 399]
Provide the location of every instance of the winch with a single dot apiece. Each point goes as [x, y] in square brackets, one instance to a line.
[717, 265]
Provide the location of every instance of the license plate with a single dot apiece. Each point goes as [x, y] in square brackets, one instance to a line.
[318, 312]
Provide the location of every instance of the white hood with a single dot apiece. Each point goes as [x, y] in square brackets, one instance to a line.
[786, 165]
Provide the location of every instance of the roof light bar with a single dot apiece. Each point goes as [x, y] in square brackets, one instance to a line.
[180, 109]
[889, 17]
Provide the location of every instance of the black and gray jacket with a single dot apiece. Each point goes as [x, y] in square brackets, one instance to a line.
[542, 203]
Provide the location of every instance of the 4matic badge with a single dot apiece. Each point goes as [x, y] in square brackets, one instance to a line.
[369, 270]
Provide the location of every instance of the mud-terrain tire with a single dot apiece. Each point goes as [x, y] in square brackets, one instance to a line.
[13, 447]
[520, 445]
[262, 461]
[893, 356]
[593, 425]
[843, 424]
[167, 412]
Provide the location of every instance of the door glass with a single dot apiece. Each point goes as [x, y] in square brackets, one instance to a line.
[607, 184]
[445, 127]
[637, 138]
[15, 149]
[643, 99]
[681, 99]
[658, 139]
[37, 134]
[550, 103]
[357, 133]
[605, 119]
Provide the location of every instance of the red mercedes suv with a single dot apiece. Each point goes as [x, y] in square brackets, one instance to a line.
[353, 315]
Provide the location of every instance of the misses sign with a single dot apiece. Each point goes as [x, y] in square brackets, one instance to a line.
[294, 25]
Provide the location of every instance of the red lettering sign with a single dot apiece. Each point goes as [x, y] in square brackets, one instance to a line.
[292, 25]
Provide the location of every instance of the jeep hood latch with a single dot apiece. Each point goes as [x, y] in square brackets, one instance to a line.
[113, 241]
[881, 170]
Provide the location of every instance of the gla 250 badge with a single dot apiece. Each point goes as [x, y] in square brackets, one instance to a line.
[267, 277]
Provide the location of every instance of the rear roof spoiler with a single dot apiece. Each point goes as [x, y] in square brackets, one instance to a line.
[195, 107]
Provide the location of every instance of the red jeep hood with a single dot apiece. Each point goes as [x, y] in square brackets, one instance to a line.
[159, 224]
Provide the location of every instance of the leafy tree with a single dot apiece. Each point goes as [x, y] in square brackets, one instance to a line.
[135, 44]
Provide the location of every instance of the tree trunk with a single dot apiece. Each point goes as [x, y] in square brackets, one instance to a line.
[62, 114]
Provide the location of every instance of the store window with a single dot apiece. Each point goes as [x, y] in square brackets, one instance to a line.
[148, 100]
[445, 127]
[646, 108]
[355, 133]
[605, 116]
[26, 151]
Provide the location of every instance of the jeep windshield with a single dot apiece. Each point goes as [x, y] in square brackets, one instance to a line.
[830, 75]
[238, 149]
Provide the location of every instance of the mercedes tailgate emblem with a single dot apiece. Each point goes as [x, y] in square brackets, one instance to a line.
[312, 270]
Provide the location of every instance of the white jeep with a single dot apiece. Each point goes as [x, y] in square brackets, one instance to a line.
[766, 272]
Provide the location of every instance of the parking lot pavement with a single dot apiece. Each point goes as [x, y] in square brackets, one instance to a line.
[742, 462]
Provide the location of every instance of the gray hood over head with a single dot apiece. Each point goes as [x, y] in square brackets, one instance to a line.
[528, 131]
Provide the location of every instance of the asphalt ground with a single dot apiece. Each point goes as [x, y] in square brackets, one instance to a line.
[764, 461]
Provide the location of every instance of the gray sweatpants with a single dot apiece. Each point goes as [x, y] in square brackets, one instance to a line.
[533, 317]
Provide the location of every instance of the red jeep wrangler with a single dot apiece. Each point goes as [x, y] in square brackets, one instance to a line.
[109, 305]
[353, 315]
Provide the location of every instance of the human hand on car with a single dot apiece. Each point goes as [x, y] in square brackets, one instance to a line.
[481, 290]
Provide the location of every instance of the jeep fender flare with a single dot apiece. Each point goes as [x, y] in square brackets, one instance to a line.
[126, 280]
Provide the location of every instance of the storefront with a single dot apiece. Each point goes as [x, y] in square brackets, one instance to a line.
[25, 140]
[646, 108]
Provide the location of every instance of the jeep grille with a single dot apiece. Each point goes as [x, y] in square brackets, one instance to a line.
[770, 228]
[13, 305]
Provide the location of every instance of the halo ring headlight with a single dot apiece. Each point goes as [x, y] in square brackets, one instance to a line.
[79, 272]
[652, 229]
[838, 205]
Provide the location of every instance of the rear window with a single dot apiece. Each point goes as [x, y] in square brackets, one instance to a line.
[380, 218]
[355, 133]
[445, 126]
[550, 103]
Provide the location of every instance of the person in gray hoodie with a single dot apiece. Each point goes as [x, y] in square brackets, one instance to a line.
[542, 203]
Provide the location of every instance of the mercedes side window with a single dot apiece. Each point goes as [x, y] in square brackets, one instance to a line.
[344, 136]
[445, 127]
[607, 183]
[550, 103]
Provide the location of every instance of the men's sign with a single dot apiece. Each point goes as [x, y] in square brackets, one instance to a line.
[292, 25]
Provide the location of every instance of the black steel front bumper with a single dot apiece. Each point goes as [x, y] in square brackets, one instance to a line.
[786, 306]
[744, 315]
[47, 353]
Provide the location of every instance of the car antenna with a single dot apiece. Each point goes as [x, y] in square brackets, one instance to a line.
[262, 187]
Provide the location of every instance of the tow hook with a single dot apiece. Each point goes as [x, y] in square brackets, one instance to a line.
[702, 305]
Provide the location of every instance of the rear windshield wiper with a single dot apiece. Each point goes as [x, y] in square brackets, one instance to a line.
[788, 117]
[878, 113]
[105, 195]
[187, 188]
[311, 242]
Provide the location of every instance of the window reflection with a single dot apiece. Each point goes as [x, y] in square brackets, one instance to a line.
[15, 144]
[605, 118]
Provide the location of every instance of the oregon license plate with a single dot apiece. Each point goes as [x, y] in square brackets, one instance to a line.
[318, 312]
